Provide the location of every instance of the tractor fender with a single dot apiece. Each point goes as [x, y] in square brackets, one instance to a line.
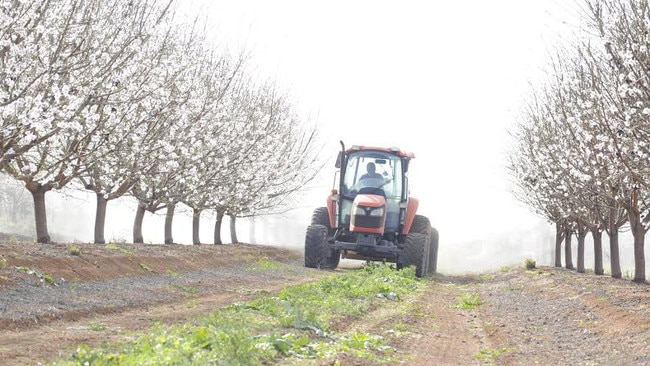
[411, 210]
[332, 209]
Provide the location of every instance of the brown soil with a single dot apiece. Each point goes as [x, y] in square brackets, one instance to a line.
[52, 300]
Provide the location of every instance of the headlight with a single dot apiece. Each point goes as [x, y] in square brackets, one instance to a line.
[377, 212]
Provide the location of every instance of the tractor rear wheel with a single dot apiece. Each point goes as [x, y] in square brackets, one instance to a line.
[433, 254]
[422, 224]
[321, 217]
[318, 254]
[415, 247]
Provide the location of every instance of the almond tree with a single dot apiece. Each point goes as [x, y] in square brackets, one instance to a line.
[138, 95]
[201, 89]
[60, 70]
[26, 28]
[280, 159]
[622, 28]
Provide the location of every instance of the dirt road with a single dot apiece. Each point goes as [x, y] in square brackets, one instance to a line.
[53, 298]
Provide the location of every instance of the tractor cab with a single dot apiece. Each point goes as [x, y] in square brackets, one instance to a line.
[372, 186]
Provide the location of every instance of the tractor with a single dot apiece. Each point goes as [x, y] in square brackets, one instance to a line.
[370, 216]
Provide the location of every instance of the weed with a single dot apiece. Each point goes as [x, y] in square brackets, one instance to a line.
[40, 275]
[97, 327]
[173, 273]
[514, 288]
[468, 301]
[247, 333]
[118, 248]
[3, 263]
[264, 264]
[505, 269]
[487, 277]
[74, 250]
[145, 267]
[530, 264]
[585, 323]
[188, 290]
[490, 354]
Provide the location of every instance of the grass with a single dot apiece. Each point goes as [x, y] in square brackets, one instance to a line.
[145, 267]
[3, 263]
[97, 327]
[291, 327]
[74, 250]
[264, 264]
[491, 354]
[118, 248]
[530, 264]
[44, 277]
[468, 301]
[514, 287]
[505, 269]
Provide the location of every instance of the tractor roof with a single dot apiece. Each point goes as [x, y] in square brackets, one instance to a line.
[393, 150]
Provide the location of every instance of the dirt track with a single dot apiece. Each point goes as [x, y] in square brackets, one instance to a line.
[548, 317]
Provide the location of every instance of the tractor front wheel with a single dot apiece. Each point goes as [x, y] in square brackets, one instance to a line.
[318, 254]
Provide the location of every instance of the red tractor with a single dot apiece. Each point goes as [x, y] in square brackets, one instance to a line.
[370, 216]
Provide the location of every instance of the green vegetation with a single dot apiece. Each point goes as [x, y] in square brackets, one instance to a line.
[118, 248]
[264, 264]
[530, 264]
[293, 326]
[491, 354]
[3, 263]
[145, 267]
[468, 301]
[44, 277]
[97, 327]
[514, 287]
[171, 272]
[505, 269]
[74, 250]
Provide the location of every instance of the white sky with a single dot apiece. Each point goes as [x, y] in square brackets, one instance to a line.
[441, 79]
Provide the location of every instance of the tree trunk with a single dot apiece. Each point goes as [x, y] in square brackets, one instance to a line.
[638, 232]
[169, 219]
[100, 218]
[233, 231]
[137, 225]
[581, 253]
[40, 216]
[582, 233]
[568, 256]
[196, 224]
[597, 235]
[615, 259]
[559, 237]
[217, 227]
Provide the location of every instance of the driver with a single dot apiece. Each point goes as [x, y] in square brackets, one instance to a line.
[371, 172]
